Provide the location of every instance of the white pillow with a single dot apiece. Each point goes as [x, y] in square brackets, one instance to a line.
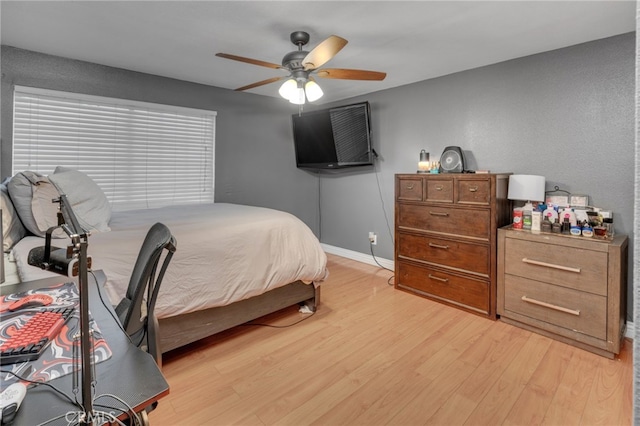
[12, 229]
[88, 202]
[32, 196]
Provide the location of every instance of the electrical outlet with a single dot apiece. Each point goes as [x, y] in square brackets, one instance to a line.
[373, 238]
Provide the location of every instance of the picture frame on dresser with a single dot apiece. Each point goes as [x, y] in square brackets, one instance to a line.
[446, 237]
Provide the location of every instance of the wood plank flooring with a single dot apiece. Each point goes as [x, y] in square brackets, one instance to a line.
[373, 355]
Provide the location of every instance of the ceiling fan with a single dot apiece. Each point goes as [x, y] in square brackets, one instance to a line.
[302, 66]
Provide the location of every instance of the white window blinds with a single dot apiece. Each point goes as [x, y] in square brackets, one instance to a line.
[142, 155]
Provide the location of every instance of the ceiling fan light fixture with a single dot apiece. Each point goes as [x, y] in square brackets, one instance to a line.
[288, 89]
[313, 91]
[298, 96]
[299, 86]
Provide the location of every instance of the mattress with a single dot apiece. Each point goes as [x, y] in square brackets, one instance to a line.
[225, 253]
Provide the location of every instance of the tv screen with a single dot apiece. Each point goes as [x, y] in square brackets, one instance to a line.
[333, 138]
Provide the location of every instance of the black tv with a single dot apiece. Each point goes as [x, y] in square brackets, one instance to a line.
[333, 138]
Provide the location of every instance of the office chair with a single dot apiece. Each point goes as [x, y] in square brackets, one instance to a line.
[135, 314]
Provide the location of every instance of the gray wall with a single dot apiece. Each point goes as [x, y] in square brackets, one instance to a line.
[566, 114]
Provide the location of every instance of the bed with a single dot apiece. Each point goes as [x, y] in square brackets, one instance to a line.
[234, 263]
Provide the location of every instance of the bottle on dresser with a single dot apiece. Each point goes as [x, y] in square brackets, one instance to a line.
[536, 222]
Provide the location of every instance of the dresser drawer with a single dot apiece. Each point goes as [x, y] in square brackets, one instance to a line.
[474, 191]
[576, 311]
[451, 221]
[470, 257]
[440, 190]
[455, 289]
[571, 267]
[409, 189]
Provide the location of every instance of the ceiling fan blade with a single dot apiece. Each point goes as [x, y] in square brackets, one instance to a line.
[348, 74]
[260, 83]
[323, 52]
[249, 60]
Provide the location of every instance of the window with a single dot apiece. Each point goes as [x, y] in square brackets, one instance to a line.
[142, 155]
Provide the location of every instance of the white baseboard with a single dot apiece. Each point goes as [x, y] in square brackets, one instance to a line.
[367, 258]
[357, 256]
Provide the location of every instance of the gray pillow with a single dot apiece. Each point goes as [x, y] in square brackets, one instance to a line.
[32, 195]
[12, 229]
[88, 202]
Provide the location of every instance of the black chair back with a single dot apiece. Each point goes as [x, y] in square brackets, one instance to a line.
[134, 312]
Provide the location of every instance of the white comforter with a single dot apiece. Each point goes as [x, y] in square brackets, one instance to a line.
[225, 253]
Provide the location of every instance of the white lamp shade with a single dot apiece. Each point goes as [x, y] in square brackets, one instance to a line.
[288, 89]
[526, 188]
[314, 92]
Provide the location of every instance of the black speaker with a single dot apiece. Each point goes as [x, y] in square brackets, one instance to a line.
[452, 160]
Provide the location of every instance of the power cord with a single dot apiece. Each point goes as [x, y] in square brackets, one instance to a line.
[36, 383]
[109, 308]
[375, 259]
[384, 210]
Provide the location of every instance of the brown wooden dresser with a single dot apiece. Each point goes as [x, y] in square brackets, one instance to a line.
[446, 237]
[570, 288]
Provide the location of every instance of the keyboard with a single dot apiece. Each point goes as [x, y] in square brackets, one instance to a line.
[30, 340]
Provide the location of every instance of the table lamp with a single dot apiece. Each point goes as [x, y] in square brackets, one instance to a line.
[526, 188]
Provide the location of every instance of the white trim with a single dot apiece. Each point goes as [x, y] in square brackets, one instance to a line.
[629, 333]
[359, 257]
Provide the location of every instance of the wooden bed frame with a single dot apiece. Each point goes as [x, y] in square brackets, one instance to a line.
[184, 329]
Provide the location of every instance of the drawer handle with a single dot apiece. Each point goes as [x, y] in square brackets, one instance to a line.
[439, 187]
[410, 186]
[550, 306]
[473, 189]
[439, 214]
[551, 265]
[433, 277]
[438, 246]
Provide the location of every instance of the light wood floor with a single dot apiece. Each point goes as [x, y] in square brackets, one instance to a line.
[373, 355]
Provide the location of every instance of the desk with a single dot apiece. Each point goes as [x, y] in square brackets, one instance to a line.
[130, 373]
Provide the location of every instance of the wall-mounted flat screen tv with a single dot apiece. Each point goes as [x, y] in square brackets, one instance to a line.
[333, 138]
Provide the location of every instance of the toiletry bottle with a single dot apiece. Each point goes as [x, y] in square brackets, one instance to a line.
[571, 214]
[526, 219]
[551, 213]
[576, 231]
[556, 228]
[517, 218]
[607, 222]
[566, 225]
[536, 219]
[546, 225]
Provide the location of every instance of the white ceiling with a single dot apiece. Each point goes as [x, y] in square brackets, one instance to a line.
[410, 41]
